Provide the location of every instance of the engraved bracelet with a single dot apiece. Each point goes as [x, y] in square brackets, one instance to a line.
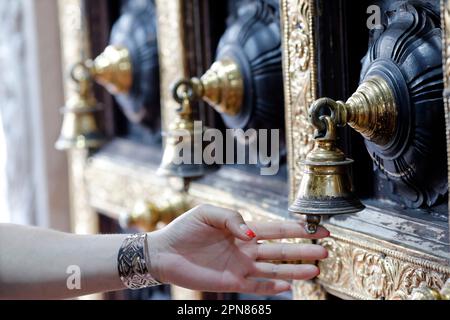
[134, 263]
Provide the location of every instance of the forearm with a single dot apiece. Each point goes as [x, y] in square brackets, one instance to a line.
[34, 263]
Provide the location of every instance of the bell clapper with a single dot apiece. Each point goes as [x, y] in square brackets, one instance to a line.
[312, 224]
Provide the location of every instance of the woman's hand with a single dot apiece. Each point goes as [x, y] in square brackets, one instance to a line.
[212, 249]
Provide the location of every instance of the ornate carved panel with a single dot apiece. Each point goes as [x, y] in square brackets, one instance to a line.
[363, 268]
[298, 18]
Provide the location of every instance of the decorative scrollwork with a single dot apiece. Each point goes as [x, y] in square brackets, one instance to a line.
[297, 20]
[369, 273]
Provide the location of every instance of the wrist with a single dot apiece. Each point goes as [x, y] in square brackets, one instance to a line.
[155, 253]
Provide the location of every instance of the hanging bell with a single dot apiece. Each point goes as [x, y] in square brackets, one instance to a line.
[79, 129]
[183, 153]
[326, 187]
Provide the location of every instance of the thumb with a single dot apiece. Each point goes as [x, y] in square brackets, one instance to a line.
[229, 220]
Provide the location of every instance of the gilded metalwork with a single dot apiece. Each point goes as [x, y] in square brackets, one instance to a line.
[364, 268]
[300, 74]
[445, 291]
[149, 216]
[113, 69]
[222, 87]
[80, 130]
[423, 292]
[172, 56]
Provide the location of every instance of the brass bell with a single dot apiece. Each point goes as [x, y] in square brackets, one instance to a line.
[183, 142]
[326, 188]
[79, 129]
[221, 87]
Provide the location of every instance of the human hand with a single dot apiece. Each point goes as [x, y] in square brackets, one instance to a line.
[211, 249]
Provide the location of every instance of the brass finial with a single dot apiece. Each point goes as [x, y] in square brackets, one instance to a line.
[221, 86]
[113, 69]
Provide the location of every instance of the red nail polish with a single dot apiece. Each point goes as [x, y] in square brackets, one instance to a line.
[251, 234]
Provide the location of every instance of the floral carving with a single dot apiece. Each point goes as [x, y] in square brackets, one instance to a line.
[333, 264]
[365, 273]
[370, 273]
[299, 70]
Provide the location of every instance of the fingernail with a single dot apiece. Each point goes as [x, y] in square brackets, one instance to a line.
[248, 232]
[251, 234]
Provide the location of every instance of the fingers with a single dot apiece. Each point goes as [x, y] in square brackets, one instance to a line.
[270, 287]
[226, 219]
[232, 221]
[291, 252]
[285, 230]
[285, 271]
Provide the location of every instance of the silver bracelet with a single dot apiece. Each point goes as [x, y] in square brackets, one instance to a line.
[134, 263]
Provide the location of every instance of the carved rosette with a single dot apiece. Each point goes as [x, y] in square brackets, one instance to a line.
[299, 73]
[407, 53]
[371, 272]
